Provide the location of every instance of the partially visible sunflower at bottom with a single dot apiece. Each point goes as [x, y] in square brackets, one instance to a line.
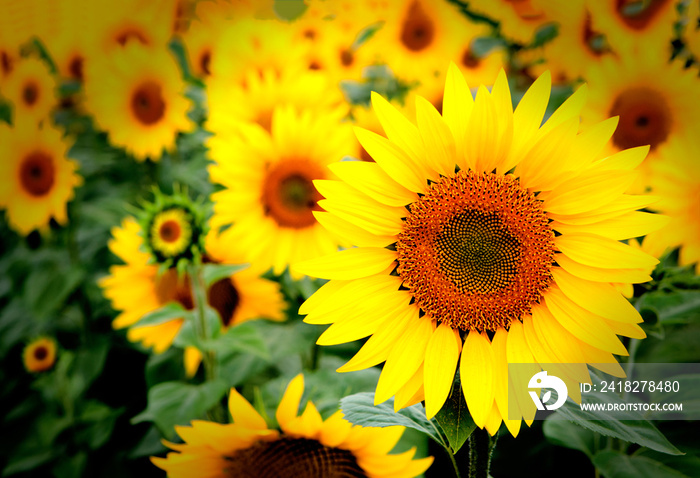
[306, 447]
[136, 289]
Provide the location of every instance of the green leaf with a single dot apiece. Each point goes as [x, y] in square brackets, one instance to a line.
[570, 435]
[614, 464]
[95, 424]
[482, 46]
[545, 34]
[359, 409]
[688, 464]
[243, 338]
[71, 466]
[636, 429]
[177, 403]
[170, 311]
[47, 288]
[212, 273]
[676, 307]
[25, 462]
[365, 34]
[454, 417]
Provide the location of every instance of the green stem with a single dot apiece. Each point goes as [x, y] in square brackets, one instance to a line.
[481, 447]
[199, 295]
[454, 462]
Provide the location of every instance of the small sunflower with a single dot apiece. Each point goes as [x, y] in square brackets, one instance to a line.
[39, 355]
[484, 239]
[305, 447]
[31, 90]
[136, 289]
[38, 178]
[269, 195]
[675, 180]
[136, 95]
[653, 109]
[624, 23]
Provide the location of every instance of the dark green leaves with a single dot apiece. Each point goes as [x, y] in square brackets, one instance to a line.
[454, 417]
[614, 464]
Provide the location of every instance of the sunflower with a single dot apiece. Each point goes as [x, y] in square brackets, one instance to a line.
[38, 178]
[39, 355]
[31, 90]
[653, 108]
[626, 22]
[305, 446]
[484, 239]
[135, 94]
[577, 45]
[518, 20]
[675, 180]
[66, 40]
[136, 289]
[269, 196]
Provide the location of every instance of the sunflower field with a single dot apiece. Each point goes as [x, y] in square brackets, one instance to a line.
[349, 238]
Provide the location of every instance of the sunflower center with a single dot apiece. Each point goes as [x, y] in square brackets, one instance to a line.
[418, 30]
[37, 173]
[170, 287]
[5, 63]
[289, 195]
[147, 103]
[171, 232]
[469, 60]
[347, 58]
[205, 62]
[297, 457]
[645, 118]
[130, 33]
[639, 18]
[75, 68]
[475, 251]
[40, 353]
[224, 297]
[30, 93]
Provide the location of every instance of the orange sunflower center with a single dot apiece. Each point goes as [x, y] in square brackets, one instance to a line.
[30, 93]
[147, 103]
[298, 457]
[346, 57]
[170, 231]
[475, 251]
[469, 60]
[640, 18]
[37, 173]
[645, 118]
[131, 33]
[75, 68]
[222, 295]
[41, 352]
[205, 62]
[418, 30]
[289, 196]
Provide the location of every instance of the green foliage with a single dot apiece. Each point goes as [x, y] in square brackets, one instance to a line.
[454, 417]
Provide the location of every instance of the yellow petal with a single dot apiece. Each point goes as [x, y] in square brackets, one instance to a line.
[289, 405]
[441, 357]
[243, 413]
[634, 276]
[476, 371]
[437, 138]
[626, 159]
[348, 264]
[625, 226]
[493, 422]
[192, 358]
[599, 298]
[371, 179]
[457, 106]
[405, 358]
[571, 108]
[323, 294]
[588, 191]
[407, 395]
[501, 381]
[518, 352]
[596, 251]
[582, 324]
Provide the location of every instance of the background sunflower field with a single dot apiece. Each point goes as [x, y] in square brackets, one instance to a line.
[157, 168]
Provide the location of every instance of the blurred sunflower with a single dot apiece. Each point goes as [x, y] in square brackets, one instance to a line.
[39, 355]
[675, 180]
[625, 22]
[66, 38]
[31, 90]
[136, 289]
[136, 95]
[269, 197]
[518, 20]
[306, 446]
[38, 179]
[458, 255]
[653, 108]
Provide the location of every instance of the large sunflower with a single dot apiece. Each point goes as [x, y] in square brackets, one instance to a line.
[305, 447]
[31, 90]
[38, 179]
[483, 235]
[269, 196]
[136, 289]
[675, 180]
[653, 108]
[135, 94]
